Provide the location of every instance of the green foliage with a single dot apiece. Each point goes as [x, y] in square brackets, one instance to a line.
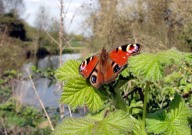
[68, 71]
[117, 122]
[5, 88]
[69, 126]
[150, 67]
[174, 120]
[14, 115]
[114, 123]
[76, 91]
[10, 73]
[48, 73]
[164, 74]
[137, 126]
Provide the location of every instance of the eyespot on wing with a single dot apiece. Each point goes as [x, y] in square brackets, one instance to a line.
[121, 54]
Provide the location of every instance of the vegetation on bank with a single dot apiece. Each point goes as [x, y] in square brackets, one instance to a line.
[19, 42]
[154, 93]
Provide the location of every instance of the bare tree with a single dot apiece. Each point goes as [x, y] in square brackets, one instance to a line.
[157, 24]
[61, 32]
[42, 19]
[60, 45]
[104, 22]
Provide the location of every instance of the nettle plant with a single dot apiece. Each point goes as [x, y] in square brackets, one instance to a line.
[152, 95]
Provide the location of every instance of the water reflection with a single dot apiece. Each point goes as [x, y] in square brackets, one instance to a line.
[53, 61]
[49, 95]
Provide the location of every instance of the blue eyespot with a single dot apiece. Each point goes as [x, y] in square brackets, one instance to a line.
[117, 68]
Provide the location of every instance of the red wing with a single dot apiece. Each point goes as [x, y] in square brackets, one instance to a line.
[113, 69]
[104, 74]
[88, 65]
[120, 55]
[96, 77]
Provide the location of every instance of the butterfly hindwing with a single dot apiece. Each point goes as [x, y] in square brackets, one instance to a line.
[88, 65]
[113, 70]
[120, 54]
[96, 77]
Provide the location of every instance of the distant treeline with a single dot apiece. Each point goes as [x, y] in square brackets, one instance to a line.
[12, 26]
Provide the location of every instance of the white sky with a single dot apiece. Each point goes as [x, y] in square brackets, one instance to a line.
[74, 10]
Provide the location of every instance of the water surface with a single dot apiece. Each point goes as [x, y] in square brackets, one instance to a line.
[48, 94]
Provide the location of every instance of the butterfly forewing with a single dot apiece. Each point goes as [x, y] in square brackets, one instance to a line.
[120, 55]
[88, 65]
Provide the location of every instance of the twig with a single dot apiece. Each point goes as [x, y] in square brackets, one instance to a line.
[3, 36]
[70, 111]
[61, 34]
[135, 90]
[72, 20]
[52, 38]
[40, 101]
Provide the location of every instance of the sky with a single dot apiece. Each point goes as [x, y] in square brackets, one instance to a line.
[72, 8]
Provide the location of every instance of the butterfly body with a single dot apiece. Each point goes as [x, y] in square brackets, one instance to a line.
[103, 68]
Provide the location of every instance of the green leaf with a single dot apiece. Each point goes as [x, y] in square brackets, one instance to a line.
[78, 93]
[179, 111]
[146, 66]
[156, 122]
[75, 126]
[174, 121]
[68, 70]
[97, 116]
[125, 72]
[137, 129]
[93, 100]
[167, 57]
[73, 93]
[150, 66]
[114, 123]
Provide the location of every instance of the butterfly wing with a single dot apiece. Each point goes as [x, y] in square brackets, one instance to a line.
[104, 68]
[104, 74]
[96, 77]
[86, 67]
[113, 69]
[118, 60]
[120, 55]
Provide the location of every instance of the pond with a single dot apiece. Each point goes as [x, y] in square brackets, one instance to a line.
[49, 95]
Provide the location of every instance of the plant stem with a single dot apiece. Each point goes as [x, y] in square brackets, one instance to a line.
[145, 106]
[61, 36]
[40, 101]
[61, 32]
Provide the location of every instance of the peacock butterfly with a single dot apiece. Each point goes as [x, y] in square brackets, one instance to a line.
[103, 68]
